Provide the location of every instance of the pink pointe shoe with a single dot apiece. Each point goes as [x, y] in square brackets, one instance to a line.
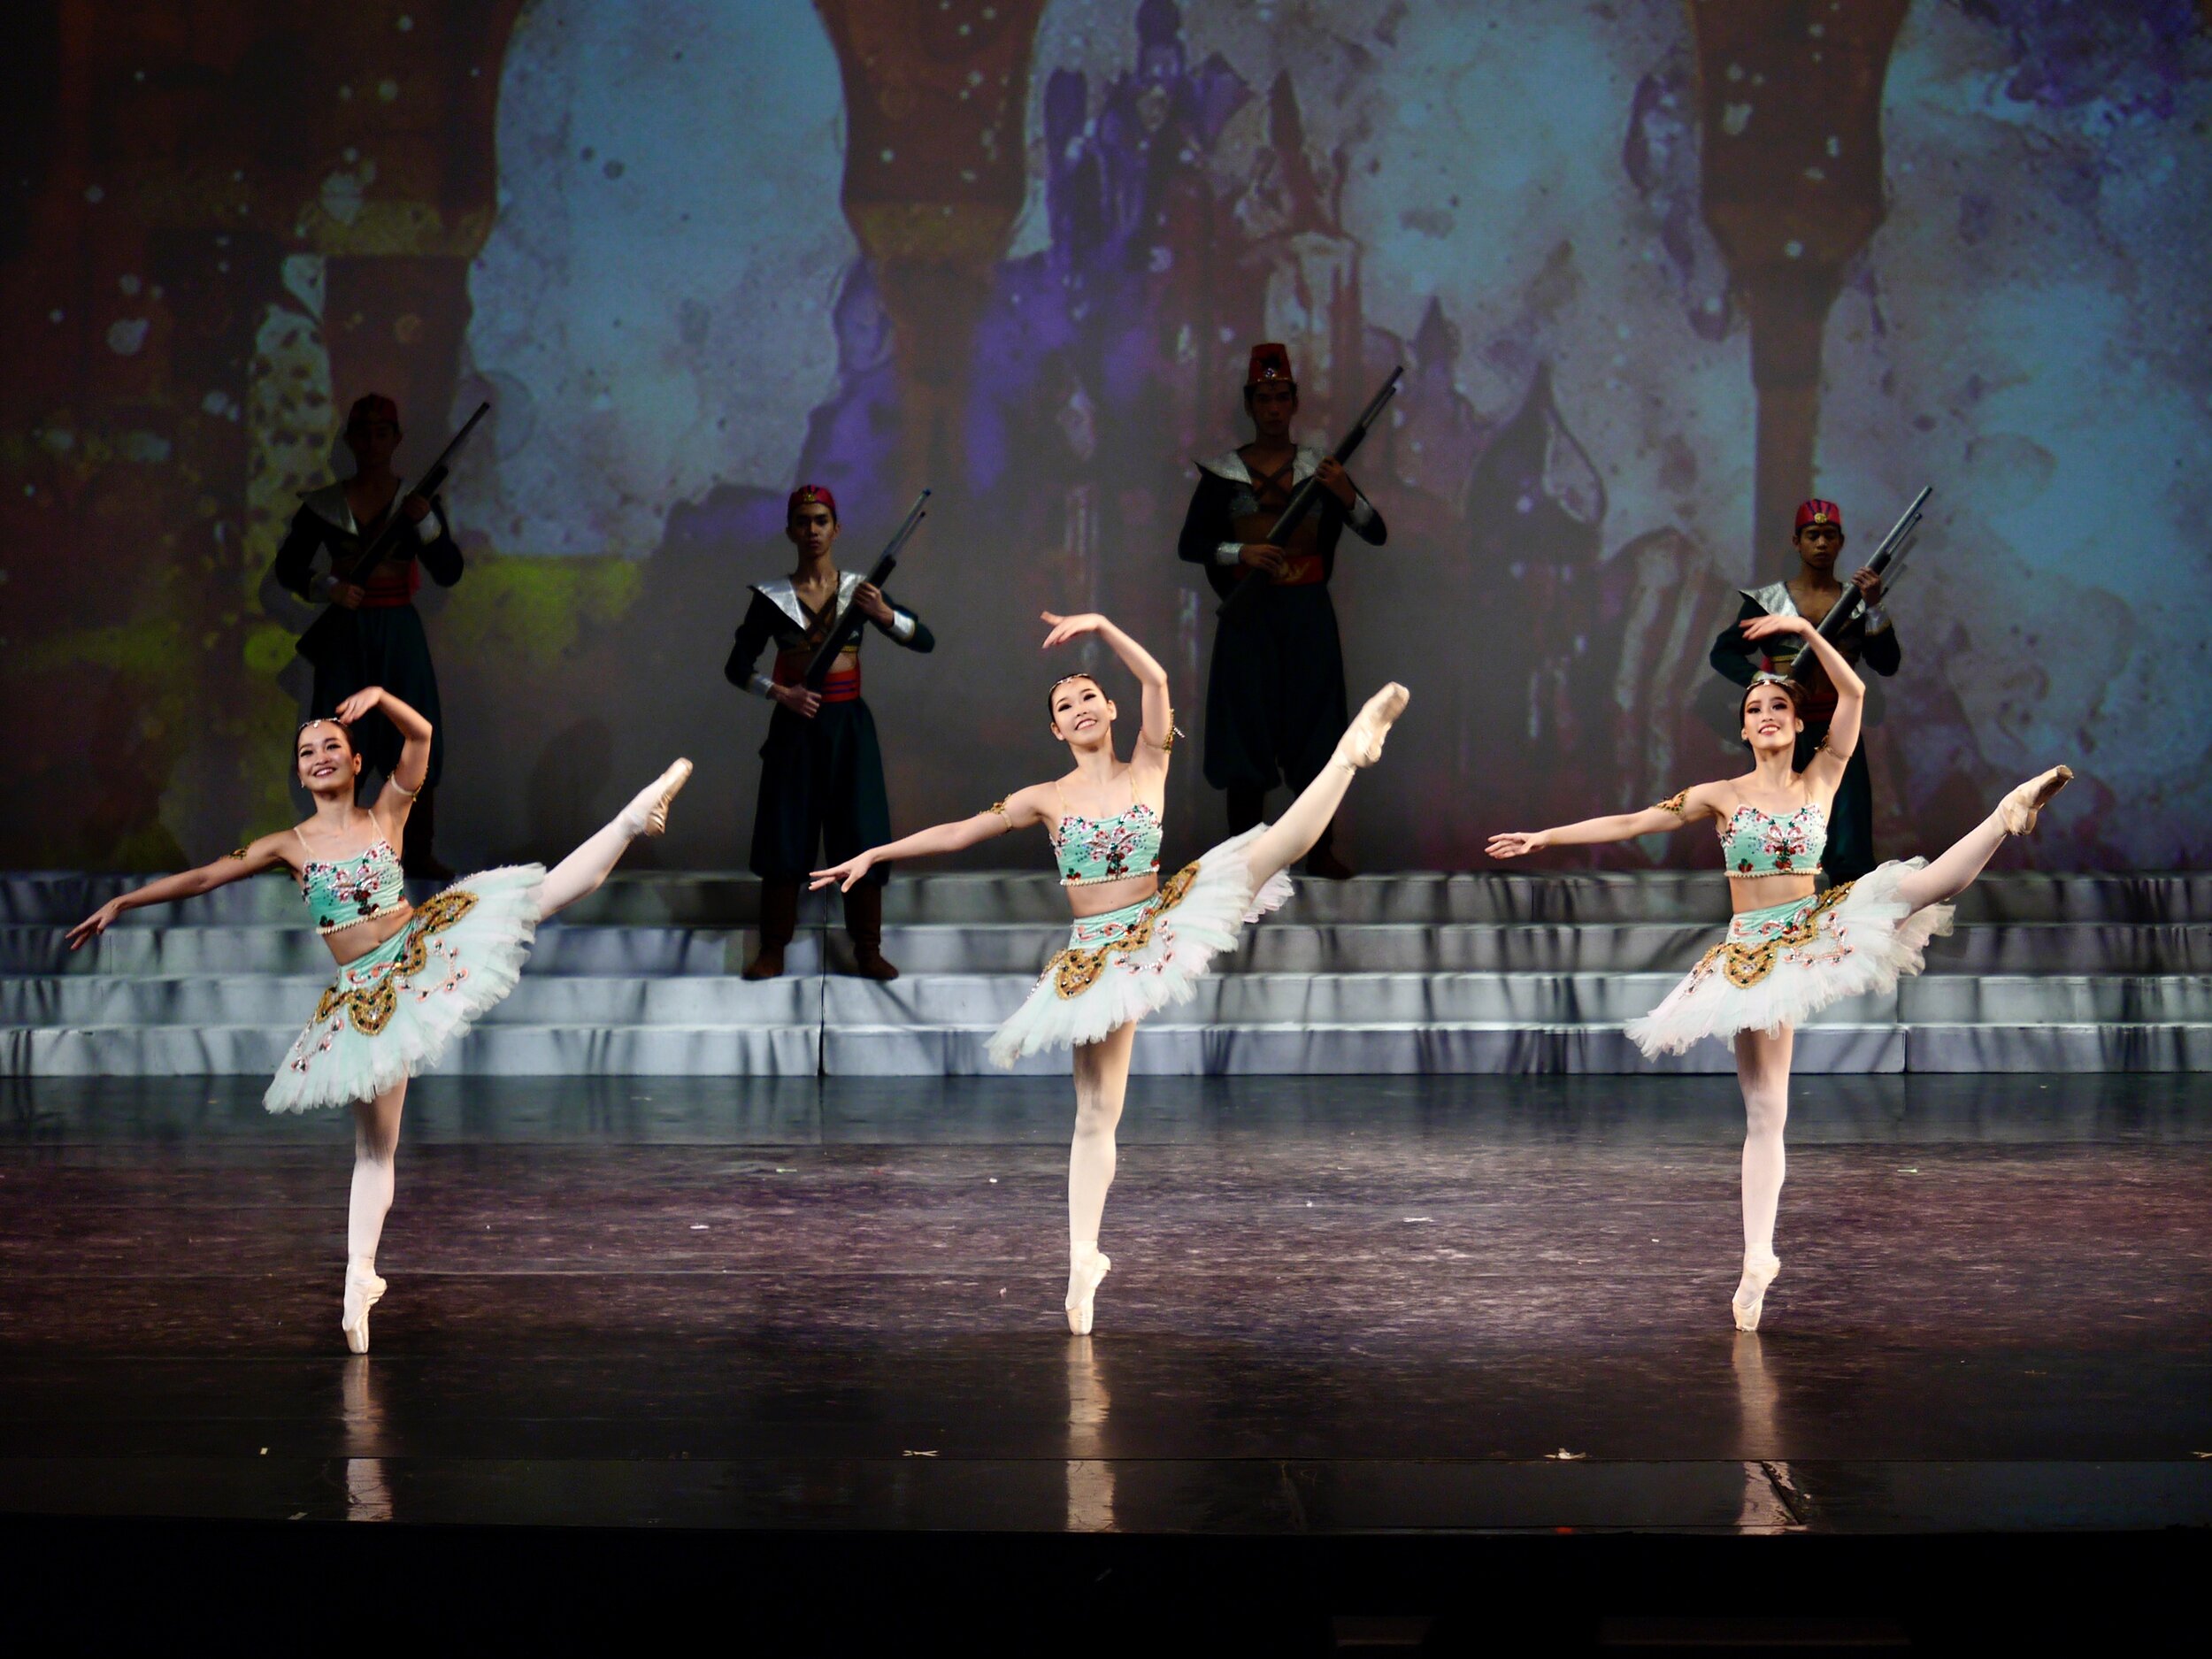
[649, 809]
[2019, 810]
[1090, 1265]
[1751, 1293]
[363, 1290]
[1362, 744]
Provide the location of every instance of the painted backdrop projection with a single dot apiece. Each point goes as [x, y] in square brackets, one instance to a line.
[1655, 269]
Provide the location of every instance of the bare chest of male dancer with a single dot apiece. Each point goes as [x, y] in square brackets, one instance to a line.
[1273, 482]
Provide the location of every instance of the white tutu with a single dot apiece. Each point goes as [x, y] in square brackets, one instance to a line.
[391, 1014]
[1780, 965]
[1123, 966]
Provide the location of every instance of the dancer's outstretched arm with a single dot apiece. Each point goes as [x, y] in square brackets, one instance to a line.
[1158, 728]
[1685, 808]
[250, 860]
[1017, 811]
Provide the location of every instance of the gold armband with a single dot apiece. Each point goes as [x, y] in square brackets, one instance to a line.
[1166, 747]
[999, 807]
[237, 852]
[1675, 804]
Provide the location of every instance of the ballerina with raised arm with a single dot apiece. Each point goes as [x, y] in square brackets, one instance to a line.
[1790, 951]
[412, 978]
[1138, 943]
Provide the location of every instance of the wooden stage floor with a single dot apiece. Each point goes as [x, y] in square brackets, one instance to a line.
[1339, 1307]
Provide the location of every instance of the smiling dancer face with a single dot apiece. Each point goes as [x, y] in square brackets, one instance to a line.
[328, 763]
[1083, 715]
[1772, 719]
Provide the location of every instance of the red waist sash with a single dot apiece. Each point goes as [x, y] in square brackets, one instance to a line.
[392, 585]
[843, 686]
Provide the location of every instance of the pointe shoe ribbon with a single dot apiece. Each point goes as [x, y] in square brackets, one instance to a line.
[660, 791]
[1362, 744]
[2020, 809]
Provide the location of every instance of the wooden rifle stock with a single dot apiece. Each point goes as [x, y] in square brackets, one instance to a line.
[1301, 499]
[851, 621]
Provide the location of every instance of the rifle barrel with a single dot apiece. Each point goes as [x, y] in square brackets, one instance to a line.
[848, 621]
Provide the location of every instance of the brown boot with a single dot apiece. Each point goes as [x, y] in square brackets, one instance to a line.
[864, 920]
[417, 857]
[778, 920]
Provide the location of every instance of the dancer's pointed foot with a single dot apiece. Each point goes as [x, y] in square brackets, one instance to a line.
[1089, 1265]
[362, 1289]
[2019, 808]
[1751, 1293]
[1362, 744]
[647, 811]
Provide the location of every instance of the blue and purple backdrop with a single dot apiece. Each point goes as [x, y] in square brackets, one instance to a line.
[1655, 269]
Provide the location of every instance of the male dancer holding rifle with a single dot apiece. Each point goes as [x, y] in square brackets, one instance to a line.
[821, 772]
[1867, 640]
[1275, 701]
[371, 633]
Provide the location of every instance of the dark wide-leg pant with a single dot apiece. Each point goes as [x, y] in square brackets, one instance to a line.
[821, 784]
[1275, 701]
[379, 645]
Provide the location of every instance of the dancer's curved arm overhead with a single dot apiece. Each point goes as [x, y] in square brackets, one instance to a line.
[1764, 703]
[1036, 804]
[1158, 729]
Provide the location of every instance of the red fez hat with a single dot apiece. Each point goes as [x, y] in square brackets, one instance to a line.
[375, 406]
[1270, 365]
[1820, 512]
[808, 495]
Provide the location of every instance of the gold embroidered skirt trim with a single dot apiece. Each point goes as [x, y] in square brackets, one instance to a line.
[1781, 964]
[1115, 932]
[391, 1013]
[1119, 967]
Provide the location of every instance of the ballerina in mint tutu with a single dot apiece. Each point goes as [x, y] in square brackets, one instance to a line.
[411, 977]
[1139, 943]
[1790, 950]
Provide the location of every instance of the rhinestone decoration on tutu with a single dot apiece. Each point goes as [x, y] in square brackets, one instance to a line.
[392, 1013]
[1131, 962]
[1780, 965]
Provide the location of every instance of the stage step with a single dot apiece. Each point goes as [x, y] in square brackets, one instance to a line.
[725, 900]
[1380, 974]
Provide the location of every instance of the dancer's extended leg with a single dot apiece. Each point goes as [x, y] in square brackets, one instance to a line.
[1102, 1082]
[1953, 870]
[1763, 1068]
[583, 869]
[1289, 837]
[375, 1152]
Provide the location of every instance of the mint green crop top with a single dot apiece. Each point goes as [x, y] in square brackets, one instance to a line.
[1092, 850]
[1756, 843]
[343, 892]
